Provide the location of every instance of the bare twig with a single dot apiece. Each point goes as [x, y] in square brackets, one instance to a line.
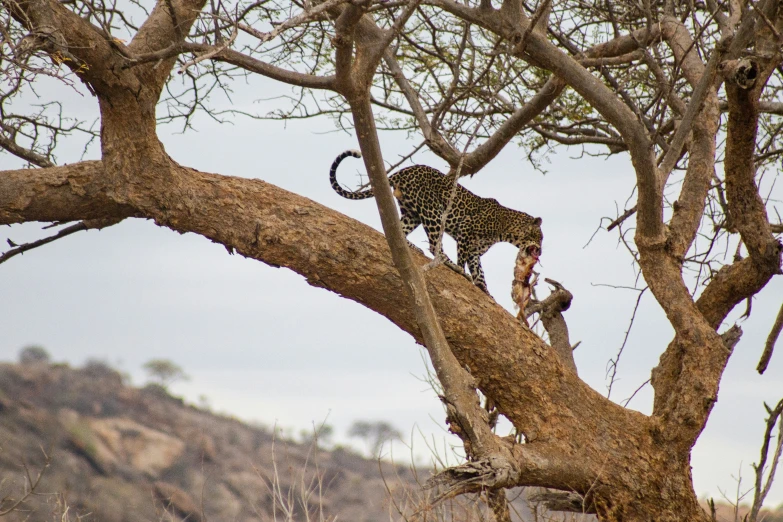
[637, 390]
[67, 231]
[613, 363]
[625, 215]
[24, 153]
[762, 486]
[212, 53]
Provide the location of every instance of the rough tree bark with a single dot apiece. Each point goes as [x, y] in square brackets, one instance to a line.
[624, 465]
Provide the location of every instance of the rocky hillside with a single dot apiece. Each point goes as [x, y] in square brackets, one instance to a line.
[79, 445]
[112, 453]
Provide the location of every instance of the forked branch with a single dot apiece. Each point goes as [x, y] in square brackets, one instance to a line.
[762, 486]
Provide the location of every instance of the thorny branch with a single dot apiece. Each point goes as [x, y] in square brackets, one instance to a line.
[612, 365]
[95, 224]
[762, 485]
[772, 338]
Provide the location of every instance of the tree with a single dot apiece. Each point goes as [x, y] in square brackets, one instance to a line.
[33, 354]
[375, 434]
[679, 88]
[163, 372]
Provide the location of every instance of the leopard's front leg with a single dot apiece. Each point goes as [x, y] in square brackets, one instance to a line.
[470, 255]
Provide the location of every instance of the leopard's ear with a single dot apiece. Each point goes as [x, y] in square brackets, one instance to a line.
[537, 221]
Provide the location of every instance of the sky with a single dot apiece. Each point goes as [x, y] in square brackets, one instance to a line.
[260, 344]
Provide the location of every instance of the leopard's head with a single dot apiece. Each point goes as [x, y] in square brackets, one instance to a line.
[528, 236]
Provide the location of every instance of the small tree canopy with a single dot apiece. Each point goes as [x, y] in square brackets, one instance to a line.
[33, 354]
[164, 372]
[374, 434]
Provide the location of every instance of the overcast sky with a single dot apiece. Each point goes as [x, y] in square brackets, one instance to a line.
[264, 346]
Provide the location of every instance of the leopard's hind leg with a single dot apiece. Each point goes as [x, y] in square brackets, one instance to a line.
[409, 221]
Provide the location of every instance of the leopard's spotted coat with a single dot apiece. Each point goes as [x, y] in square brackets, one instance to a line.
[474, 222]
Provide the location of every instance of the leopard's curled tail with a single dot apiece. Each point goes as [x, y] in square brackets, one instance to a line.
[363, 194]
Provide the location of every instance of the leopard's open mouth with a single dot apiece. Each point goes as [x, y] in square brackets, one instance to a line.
[533, 251]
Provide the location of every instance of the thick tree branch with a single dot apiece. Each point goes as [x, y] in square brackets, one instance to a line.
[689, 208]
[627, 43]
[168, 24]
[743, 279]
[551, 310]
[467, 417]
[765, 107]
[165, 25]
[96, 56]
[731, 285]
[686, 380]
[458, 387]
[537, 462]
[72, 193]
[67, 38]
[747, 210]
[679, 40]
[703, 89]
[543, 399]
[349, 84]
[265, 69]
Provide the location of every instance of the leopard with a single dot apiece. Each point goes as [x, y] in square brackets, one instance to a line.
[474, 222]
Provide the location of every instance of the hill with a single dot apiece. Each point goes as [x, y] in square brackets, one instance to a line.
[80, 445]
[113, 453]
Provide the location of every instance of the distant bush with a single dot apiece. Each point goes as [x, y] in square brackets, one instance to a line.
[33, 354]
[161, 392]
[156, 390]
[98, 369]
[163, 372]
